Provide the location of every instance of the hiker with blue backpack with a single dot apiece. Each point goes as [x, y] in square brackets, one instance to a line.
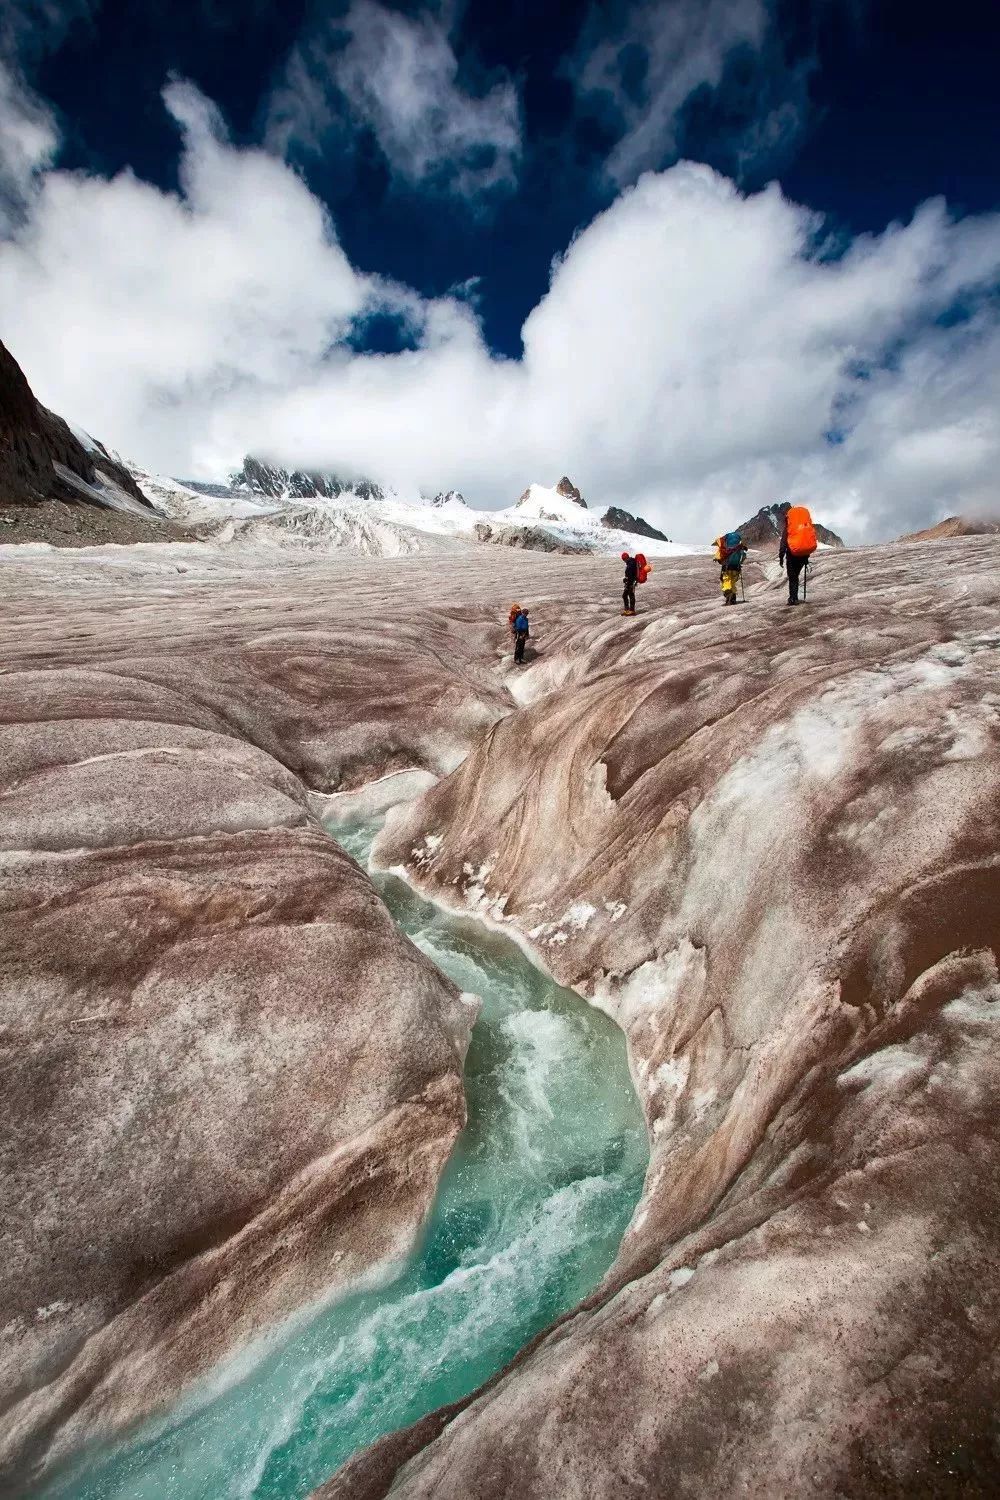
[730, 554]
[520, 631]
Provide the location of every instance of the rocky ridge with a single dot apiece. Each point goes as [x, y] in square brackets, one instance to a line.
[259, 478]
[616, 519]
[526, 538]
[42, 458]
[954, 526]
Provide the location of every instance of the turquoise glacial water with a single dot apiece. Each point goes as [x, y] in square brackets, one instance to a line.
[528, 1217]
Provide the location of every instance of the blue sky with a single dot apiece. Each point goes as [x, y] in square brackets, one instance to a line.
[420, 169]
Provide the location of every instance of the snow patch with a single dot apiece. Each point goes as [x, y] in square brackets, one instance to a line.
[52, 1310]
[579, 914]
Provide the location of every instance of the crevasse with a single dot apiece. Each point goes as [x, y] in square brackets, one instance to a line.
[528, 1217]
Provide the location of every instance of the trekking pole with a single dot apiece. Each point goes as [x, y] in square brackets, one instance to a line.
[743, 592]
[805, 582]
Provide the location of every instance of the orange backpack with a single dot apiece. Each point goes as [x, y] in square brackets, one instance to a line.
[801, 531]
[643, 568]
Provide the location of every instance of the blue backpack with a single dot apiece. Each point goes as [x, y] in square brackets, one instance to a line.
[733, 552]
[521, 624]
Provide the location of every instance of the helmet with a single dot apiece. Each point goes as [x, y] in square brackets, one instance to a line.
[625, 557]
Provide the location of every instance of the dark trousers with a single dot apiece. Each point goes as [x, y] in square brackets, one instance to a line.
[794, 566]
[519, 641]
[628, 594]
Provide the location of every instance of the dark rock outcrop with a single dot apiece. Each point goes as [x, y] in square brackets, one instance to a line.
[275, 483]
[448, 497]
[569, 491]
[42, 459]
[765, 527]
[529, 538]
[616, 519]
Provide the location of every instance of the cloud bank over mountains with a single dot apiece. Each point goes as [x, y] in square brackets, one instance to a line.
[698, 353]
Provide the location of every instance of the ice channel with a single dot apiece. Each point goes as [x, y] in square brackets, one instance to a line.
[529, 1216]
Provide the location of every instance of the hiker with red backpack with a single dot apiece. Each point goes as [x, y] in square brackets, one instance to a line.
[637, 570]
[798, 543]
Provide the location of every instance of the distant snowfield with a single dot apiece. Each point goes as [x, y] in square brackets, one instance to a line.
[395, 526]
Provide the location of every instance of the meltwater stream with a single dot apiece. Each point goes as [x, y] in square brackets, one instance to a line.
[528, 1217]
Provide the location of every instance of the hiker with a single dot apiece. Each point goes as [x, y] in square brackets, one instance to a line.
[730, 554]
[628, 583]
[798, 543]
[520, 631]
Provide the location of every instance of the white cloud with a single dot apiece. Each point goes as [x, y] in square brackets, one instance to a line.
[28, 141]
[398, 75]
[29, 135]
[646, 71]
[698, 354]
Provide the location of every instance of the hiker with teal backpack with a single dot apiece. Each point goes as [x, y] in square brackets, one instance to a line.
[730, 554]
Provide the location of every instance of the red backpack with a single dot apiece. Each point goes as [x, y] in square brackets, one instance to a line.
[643, 568]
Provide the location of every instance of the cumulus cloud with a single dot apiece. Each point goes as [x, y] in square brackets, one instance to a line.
[398, 76]
[699, 352]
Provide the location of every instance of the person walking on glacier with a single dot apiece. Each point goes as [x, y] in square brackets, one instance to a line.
[629, 583]
[798, 543]
[520, 630]
[730, 554]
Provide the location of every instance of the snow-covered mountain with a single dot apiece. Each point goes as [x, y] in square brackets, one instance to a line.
[563, 512]
[266, 509]
[190, 506]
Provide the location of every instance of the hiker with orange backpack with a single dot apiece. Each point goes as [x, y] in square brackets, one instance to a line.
[798, 543]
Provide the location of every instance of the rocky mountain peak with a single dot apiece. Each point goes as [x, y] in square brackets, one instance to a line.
[448, 497]
[569, 491]
[261, 478]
